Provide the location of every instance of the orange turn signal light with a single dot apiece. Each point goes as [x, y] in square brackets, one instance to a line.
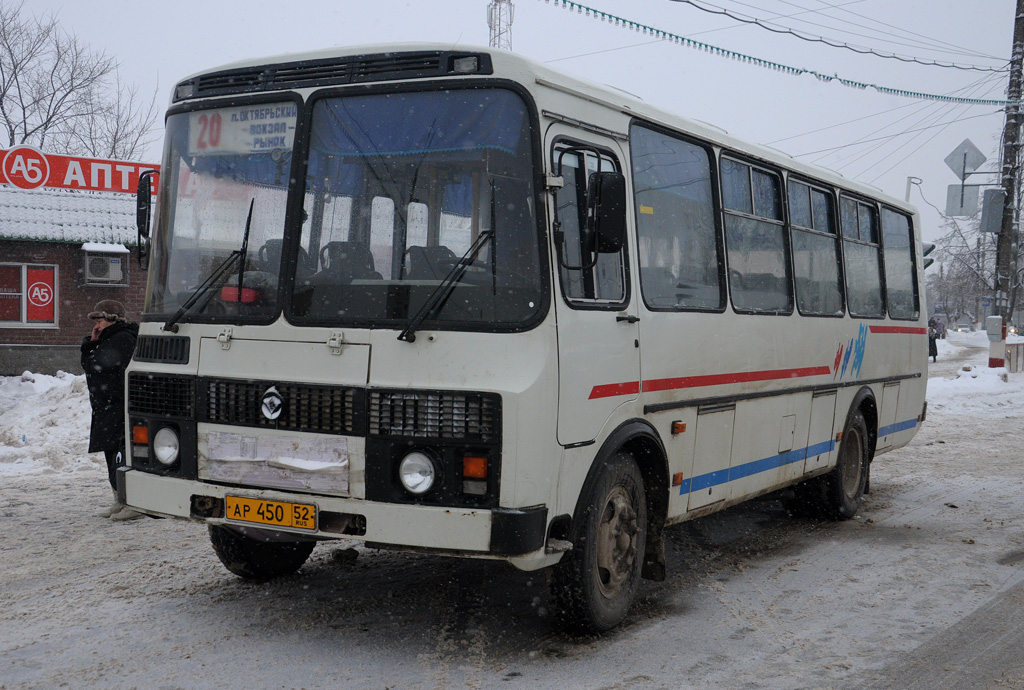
[474, 466]
[140, 435]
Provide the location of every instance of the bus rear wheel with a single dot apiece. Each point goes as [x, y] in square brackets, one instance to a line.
[258, 560]
[844, 486]
[594, 585]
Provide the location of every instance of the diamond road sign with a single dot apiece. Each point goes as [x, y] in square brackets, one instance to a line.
[965, 159]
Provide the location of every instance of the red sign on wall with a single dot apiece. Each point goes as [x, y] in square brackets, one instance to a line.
[29, 168]
[39, 295]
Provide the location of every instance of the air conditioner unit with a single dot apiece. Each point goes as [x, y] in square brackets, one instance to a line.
[103, 269]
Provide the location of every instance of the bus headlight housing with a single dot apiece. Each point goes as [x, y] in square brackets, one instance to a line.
[166, 446]
[418, 472]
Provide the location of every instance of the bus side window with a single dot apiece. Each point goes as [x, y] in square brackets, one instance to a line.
[900, 276]
[755, 239]
[605, 282]
[675, 221]
[861, 259]
[815, 250]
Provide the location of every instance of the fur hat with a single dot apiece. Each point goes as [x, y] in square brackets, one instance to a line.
[109, 309]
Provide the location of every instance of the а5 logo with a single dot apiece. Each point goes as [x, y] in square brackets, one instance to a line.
[26, 167]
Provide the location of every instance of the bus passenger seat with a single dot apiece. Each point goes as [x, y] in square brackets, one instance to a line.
[428, 263]
[343, 262]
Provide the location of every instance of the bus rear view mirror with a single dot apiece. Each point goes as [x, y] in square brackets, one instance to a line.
[606, 210]
[143, 214]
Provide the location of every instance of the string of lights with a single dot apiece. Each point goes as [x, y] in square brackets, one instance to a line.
[835, 44]
[656, 33]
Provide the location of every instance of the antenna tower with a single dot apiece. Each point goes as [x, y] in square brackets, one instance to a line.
[499, 21]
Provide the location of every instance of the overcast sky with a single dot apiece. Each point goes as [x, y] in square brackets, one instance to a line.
[875, 138]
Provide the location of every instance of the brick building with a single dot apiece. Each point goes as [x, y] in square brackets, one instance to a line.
[64, 245]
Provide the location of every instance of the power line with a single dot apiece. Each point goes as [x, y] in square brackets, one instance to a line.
[842, 8]
[810, 38]
[891, 152]
[918, 108]
[766, 64]
[937, 111]
[838, 124]
[927, 44]
[887, 137]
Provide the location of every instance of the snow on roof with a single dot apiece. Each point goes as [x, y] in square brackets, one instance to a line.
[105, 247]
[49, 215]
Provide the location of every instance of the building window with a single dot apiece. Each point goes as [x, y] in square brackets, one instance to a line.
[28, 295]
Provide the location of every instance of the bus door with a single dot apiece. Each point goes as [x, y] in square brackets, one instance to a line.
[887, 417]
[821, 445]
[598, 330]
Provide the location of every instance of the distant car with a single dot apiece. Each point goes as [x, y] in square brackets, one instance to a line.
[964, 328]
[1013, 329]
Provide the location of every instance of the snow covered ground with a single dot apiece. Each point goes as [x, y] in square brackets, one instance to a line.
[923, 589]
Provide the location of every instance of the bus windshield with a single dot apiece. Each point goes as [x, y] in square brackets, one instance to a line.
[219, 164]
[399, 187]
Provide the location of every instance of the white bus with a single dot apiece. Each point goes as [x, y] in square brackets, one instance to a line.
[451, 301]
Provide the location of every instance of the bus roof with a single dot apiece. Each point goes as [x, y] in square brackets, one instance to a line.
[532, 73]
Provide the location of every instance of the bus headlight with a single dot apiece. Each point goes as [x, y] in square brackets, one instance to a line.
[417, 472]
[166, 446]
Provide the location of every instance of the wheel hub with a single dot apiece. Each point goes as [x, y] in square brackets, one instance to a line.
[616, 542]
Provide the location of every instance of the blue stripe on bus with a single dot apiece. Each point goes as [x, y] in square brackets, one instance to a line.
[724, 476]
[706, 481]
[898, 426]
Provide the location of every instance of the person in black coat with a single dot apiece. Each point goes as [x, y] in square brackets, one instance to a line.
[106, 353]
[933, 340]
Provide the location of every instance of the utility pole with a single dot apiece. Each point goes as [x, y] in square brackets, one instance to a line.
[1006, 244]
[499, 21]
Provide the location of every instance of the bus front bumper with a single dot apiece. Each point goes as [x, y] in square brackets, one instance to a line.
[509, 533]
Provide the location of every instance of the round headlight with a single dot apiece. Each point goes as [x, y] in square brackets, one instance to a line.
[165, 446]
[417, 473]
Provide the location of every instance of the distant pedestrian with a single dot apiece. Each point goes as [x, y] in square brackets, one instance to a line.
[933, 344]
[106, 352]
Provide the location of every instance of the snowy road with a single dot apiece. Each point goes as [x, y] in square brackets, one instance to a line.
[924, 589]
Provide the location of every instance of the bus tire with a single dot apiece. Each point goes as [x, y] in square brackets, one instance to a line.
[594, 585]
[258, 560]
[844, 486]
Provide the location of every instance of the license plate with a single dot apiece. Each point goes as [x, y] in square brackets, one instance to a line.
[274, 513]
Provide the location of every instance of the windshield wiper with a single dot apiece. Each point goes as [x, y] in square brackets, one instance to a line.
[444, 289]
[198, 293]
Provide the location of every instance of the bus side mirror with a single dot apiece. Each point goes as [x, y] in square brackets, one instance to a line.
[606, 211]
[143, 215]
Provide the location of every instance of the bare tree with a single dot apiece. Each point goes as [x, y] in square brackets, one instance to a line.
[56, 93]
[119, 126]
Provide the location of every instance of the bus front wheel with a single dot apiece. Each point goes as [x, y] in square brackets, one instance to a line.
[594, 585]
[258, 560]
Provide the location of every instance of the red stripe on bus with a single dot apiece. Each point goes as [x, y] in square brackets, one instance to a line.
[899, 329]
[736, 377]
[610, 390]
[652, 385]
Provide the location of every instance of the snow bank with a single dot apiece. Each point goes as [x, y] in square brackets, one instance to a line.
[44, 424]
[976, 391]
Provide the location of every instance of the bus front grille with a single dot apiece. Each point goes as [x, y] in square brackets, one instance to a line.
[160, 395]
[435, 415]
[306, 407]
[165, 349]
